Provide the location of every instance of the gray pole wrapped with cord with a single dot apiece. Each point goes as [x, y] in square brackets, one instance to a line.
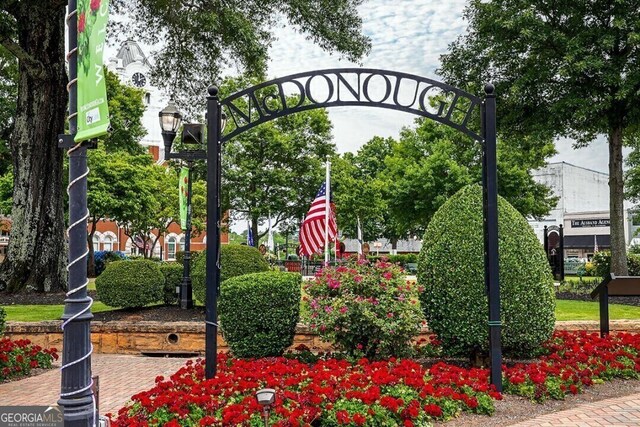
[76, 394]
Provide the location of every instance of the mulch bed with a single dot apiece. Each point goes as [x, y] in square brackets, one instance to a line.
[36, 298]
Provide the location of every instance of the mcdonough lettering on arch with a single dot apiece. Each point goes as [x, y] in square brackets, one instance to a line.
[352, 87]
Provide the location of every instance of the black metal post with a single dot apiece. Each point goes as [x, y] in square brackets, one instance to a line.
[76, 395]
[186, 294]
[604, 311]
[490, 205]
[545, 243]
[560, 254]
[213, 232]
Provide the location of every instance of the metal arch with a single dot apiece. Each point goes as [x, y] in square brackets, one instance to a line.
[257, 111]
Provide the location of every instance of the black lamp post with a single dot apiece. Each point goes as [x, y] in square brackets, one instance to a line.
[170, 120]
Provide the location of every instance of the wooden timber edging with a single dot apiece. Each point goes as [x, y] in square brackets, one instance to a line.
[146, 337]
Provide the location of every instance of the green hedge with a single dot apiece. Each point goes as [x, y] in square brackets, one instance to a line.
[235, 260]
[602, 263]
[451, 270]
[401, 259]
[172, 272]
[258, 312]
[130, 284]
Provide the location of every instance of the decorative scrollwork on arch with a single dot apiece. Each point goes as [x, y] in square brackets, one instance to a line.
[352, 87]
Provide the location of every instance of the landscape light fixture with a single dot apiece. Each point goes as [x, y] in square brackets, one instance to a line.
[266, 397]
[170, 121]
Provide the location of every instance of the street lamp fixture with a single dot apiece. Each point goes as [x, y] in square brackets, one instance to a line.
[266, 397]
[170, 121]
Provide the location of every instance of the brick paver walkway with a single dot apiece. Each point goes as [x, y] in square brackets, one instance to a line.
[123, 376]
[616, 412]
[120, 378]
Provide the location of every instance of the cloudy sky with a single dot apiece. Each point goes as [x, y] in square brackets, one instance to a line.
[408, 36]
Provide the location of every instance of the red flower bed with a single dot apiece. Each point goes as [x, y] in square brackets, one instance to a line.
[394, 392]
[575, 360]
[17, 358]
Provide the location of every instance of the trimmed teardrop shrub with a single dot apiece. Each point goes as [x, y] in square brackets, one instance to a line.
[172, 272]
[451, 271]
[235, 260]
[130, 284]
[258, 312]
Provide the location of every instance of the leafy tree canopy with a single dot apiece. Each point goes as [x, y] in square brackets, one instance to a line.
[199, 39]
[432, 162]
[276, 168]
[562, 68]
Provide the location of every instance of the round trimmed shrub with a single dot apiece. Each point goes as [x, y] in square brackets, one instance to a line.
[130, 284]
[258, 312]
[451, 271]
[235, 260]
[172, 272]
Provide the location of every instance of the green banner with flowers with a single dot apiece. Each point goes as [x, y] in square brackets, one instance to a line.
[184, 190]
[93, 112]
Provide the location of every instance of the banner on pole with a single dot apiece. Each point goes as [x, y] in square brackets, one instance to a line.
[184, 189]
[93, 111]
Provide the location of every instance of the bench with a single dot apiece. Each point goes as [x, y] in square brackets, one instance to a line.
[614, 286]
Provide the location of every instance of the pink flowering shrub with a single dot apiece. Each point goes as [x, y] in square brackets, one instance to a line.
[364, 309]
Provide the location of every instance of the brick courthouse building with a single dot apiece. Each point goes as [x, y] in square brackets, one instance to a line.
[132, 66]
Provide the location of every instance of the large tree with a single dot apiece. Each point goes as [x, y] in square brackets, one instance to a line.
[562, 68]
[8, 95]
[197, 38]
[33, 32]
[431, 162]
[119, 188]
[276, 169]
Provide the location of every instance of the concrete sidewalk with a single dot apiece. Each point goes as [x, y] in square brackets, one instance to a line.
[616, 412]
[120, 378]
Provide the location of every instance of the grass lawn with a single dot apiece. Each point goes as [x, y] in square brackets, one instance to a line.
[587, 310]
[565, 310]
[34, 313]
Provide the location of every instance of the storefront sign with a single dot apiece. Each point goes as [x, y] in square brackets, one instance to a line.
[597, 222]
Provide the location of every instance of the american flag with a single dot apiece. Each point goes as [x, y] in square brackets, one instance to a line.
[312, 230]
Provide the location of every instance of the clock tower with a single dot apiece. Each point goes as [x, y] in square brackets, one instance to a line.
[133, 68]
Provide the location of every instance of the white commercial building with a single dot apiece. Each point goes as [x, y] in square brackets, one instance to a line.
[582, 209]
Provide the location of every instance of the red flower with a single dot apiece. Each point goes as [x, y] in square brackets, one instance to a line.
[359, 419]
[82, 23]
[343, 417]
[95, 5]
[433, 410]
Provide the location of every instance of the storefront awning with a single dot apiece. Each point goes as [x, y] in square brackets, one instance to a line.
[587, 242]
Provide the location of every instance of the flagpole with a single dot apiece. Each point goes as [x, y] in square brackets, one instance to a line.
[326, 212]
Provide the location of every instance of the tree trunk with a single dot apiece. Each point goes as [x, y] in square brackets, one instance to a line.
[36, 256]
[616, 204]
[254, 231]
[394, 246]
